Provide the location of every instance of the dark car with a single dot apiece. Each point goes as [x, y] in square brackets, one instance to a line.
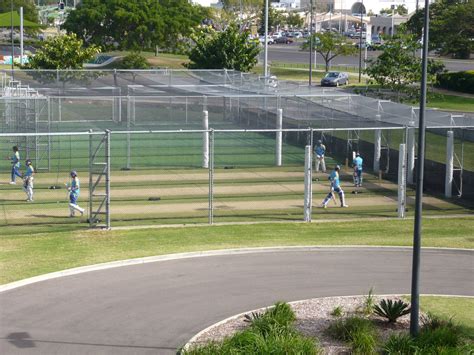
[334, 78]
[284, 40]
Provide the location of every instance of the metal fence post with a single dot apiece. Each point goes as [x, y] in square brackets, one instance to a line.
[378, 147]
[410, 155]
[205, 140]
[211, 176]
[107, 178]
[91, 153]
[308, 184]
[279, 137]
[402, 158]
[448, 185]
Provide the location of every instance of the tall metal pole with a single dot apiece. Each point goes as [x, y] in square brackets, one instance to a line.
[11, 22]
[415, 280]
[21, 35]
[265, 57]
[360, 44]
[310, 43]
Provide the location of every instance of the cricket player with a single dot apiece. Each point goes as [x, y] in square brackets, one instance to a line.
[15, 160]
[319, 152]
[74, 191]
[335, 187]
[28, 180]
[357, 164]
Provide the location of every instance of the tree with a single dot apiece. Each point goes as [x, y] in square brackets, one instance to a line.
[451, 27]
[398, 67]
[399, 9]
[275, 19]
[62, 52]
[138, 24]
[229, 49]
[294, 20]
[330, 45]
[134, 61]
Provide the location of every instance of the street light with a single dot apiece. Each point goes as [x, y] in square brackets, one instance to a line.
[11, 22]
[311, 43]
[415, 279]
[360, 40]
[265, 56]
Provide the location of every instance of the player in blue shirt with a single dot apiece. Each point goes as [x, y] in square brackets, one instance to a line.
[15, 160]
[74, 191]
[335, 187]
[28, 180]
[357, 164]
[319, 152]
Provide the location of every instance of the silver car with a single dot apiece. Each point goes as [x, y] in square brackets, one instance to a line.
[335, 78]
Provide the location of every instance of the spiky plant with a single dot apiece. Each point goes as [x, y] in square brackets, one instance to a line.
[392, 310]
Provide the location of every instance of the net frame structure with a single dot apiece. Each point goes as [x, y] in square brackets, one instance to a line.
[33, 110]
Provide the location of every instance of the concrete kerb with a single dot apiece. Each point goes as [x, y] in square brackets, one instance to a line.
[190, 342]
[198, 254]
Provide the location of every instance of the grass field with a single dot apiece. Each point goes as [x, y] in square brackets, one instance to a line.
[26, 254]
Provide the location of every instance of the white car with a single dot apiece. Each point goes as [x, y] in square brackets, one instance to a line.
[269, 40]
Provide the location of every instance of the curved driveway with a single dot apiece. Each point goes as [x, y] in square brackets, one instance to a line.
[156, 307]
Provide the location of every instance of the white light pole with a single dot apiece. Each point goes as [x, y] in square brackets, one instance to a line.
[21, 35]
[265, 55]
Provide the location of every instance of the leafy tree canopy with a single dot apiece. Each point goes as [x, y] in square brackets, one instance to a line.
[330, 45]
[399, 9]
[398, 67]
[294, 20]
[62, 52]
[229, 49]
[275, 19]
[138, 24]
[134, 61]
[451, 27]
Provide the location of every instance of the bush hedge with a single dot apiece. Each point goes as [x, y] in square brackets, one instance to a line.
[462, 81]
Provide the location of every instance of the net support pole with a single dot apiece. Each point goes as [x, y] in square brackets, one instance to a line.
[205, 140]
[129, 143]
[107, 179]
[211, 177]
[410, 155]
[448, 185]
[402, 181]
[91, 222]
[308, 184]
[279, 137]
[377, 149]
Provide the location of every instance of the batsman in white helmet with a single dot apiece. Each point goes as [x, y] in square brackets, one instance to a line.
[74, 191]
[335, 187]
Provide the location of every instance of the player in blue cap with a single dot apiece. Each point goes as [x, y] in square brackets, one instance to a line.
[74, 191]
[335, 187]
[28, 180]
[319, 152]
[357, 164]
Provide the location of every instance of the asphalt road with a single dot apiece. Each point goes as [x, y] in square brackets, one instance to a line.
[155, 308]
[291, 54]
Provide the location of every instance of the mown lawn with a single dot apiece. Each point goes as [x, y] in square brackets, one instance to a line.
[27, 255]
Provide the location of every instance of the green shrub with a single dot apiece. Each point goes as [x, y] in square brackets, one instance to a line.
[392, 310]
[439, 337]
[363, 342]
[462, 81]
[369, 303]
[134, 61]
[337, 311]
[400, 344]
[342, 329]
[269, 333]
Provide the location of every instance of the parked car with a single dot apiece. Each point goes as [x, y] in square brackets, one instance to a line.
[284, 40]
[334, 78]
[270, 40]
